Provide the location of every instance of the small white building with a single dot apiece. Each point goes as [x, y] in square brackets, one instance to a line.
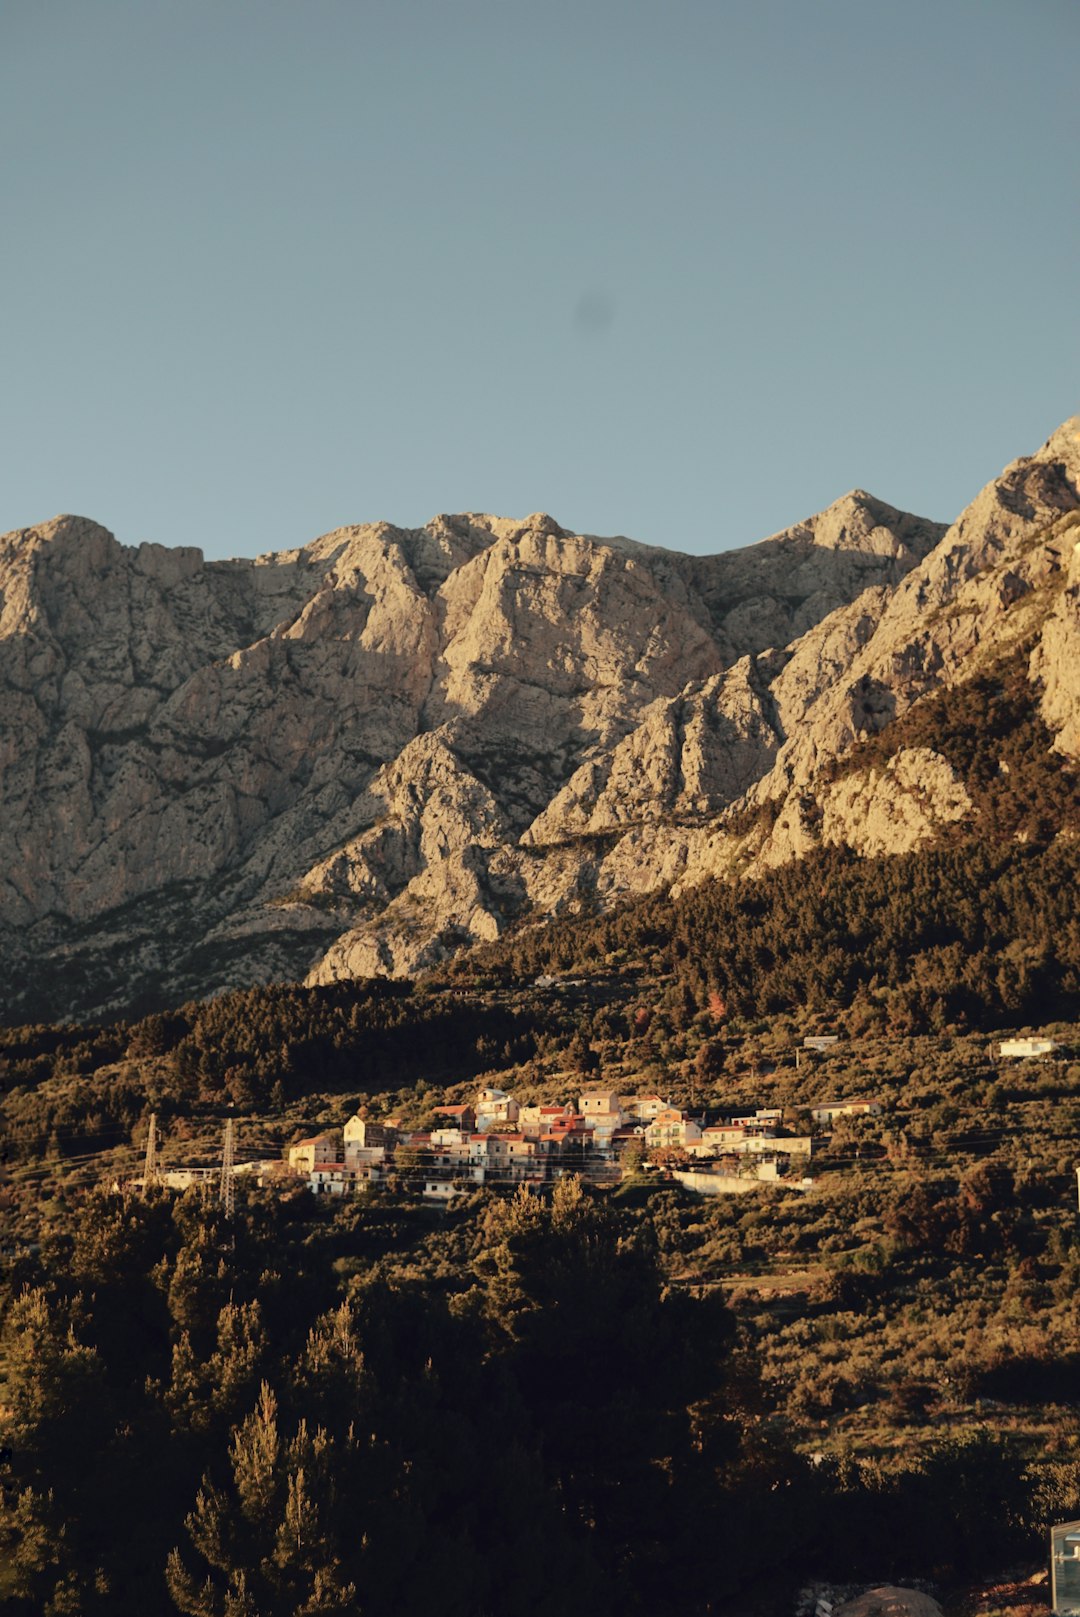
[184, 1178]
[332, 1179]
[1019, 1048]
[440, 1190]
[828, 1110]
[446, 1137]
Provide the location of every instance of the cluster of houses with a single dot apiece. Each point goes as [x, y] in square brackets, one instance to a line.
[496, 1140]
[501, 1142]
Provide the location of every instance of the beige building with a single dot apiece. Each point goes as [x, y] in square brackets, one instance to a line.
[495, 1110]
[643, 1108]
[534, 1117]
[829, 1110]
[671, 1127]
[723, 1135]
[598, 1103]
[306, 1155]
[766, 1145]
[367, 1143]
[360, 1132]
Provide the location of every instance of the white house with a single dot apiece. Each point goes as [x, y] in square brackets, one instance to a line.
[495, 1109]
[603, 1114]
[828, 1110]
[332, 1179]
[1028, 1047]
[366, 1143]
[446, 1137]
[440, 1190]
[184, 1178]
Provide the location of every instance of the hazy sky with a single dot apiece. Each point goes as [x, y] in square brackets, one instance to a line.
[686, 271]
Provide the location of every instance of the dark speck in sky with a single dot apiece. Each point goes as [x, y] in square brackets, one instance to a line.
[594, 312]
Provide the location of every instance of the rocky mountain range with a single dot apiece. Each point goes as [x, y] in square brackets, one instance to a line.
[353, 758]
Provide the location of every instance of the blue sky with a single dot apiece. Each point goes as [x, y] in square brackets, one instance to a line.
[686, 271]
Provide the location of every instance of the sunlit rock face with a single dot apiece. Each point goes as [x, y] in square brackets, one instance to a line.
[354, 757]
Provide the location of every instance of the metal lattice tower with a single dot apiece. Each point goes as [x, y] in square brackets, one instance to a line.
[150, 1165]
[228, 1174]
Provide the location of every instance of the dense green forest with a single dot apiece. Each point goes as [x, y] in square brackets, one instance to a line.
[967, 934]
[77, 1087]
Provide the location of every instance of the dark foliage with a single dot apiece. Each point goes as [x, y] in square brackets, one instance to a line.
[245, 1049]
[964, 934]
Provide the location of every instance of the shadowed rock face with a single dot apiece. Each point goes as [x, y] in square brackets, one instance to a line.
[353, 757]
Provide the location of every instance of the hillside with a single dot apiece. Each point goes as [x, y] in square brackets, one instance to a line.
[597, 1372]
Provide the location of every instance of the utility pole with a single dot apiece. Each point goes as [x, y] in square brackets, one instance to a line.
[228, 1176]
[150, 1167]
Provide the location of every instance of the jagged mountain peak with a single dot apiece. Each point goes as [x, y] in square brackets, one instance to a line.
[1063, 444]
[354, 755]
[859, 521]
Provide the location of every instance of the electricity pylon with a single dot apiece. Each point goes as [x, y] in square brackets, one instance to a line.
[150, 1166]
[228, 1175]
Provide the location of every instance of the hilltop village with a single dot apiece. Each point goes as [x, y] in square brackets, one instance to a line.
[496, 1141]
[871, 1241]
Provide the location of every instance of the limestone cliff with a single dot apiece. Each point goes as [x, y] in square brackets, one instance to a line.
[358, 755]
